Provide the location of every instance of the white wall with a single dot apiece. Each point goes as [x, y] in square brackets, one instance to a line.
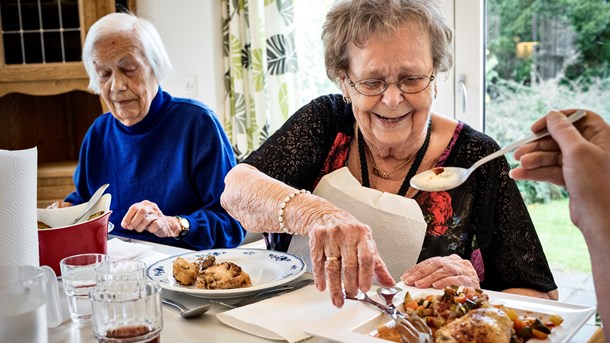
[191, 32]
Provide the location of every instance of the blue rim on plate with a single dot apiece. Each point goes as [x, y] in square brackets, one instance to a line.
[267, 269]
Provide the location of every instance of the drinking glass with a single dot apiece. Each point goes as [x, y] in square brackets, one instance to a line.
[78, 278]
[127, 270]
[127, 312]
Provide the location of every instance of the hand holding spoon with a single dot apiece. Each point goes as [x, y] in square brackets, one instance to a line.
[444, 178]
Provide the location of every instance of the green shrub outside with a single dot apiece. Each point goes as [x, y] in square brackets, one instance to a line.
[512, 107]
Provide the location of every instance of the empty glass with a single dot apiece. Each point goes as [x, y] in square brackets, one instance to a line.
[127, 312]
[110, 271]
[78, 278]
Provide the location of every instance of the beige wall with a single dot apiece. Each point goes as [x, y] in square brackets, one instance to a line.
[191, 32]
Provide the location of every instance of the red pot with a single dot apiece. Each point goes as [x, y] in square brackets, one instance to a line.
[88, 237]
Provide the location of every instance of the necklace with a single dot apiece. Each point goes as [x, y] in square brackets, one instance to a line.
[379, 173]
[364, 170]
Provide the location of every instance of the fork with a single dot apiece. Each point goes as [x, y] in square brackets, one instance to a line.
[388, 294]
[410, 328]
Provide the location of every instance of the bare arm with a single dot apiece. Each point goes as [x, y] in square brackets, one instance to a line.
[254, 199]
[552, 295]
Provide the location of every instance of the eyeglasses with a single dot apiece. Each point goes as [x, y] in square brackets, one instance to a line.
[410, 84]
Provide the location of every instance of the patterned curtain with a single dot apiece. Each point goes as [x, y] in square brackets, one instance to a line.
[261, 71]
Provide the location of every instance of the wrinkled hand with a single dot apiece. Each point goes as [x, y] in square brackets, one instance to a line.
[60, 204]
[343, 249]
[442, 271]
[146, 216]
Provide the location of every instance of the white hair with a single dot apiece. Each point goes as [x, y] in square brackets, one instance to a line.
[144, 36]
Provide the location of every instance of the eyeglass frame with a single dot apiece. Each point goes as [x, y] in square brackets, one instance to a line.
[387, 84]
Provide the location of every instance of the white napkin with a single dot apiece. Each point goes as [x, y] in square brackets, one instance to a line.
[397, 222]
[18, 181]
[121, 250]
[283, 317]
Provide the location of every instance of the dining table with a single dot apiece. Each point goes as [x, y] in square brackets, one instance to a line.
[207, 327]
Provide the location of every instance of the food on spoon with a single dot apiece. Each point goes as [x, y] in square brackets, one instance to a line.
[438, 170]
[96, 214]
[42, 226]
[207, 274]
[439, 178]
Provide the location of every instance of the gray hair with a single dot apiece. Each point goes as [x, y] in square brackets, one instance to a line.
[144, 36]
[355, 21]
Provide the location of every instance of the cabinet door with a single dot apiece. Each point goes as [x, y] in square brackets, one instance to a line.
[41, 44]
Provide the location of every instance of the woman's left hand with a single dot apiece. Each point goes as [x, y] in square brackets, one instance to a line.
[146, 216]
[442, 271]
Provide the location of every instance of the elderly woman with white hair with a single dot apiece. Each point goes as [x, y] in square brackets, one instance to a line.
[165, 158]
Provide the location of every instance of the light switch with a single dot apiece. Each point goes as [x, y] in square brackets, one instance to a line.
[190, 85]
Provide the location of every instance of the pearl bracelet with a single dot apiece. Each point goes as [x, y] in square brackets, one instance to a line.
[283, 227]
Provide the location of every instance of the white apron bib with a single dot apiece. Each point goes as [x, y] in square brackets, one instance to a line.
[397, 222]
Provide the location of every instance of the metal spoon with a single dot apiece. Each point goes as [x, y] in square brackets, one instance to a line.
[185, 312]
[94, 199]
[444, 178]
[388, 294]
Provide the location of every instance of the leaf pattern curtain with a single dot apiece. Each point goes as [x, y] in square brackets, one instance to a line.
[261, 70]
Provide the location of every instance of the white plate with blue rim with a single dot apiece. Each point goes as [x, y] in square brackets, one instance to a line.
[267, 269]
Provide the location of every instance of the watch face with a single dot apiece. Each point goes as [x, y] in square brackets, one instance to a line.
[185, 226]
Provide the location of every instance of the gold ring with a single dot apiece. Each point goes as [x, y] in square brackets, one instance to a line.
[333, 259]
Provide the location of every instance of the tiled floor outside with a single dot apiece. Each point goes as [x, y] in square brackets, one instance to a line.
[576, 288]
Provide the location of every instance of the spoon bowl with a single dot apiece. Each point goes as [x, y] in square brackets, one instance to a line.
[185, 312]
[445, 178]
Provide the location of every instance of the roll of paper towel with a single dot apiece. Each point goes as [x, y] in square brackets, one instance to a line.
[18, 229]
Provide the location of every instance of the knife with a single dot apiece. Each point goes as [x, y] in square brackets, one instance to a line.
[94, 199]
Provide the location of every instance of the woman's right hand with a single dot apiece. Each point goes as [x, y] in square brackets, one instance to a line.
[344, 253]
[342, 248]
[60, 204]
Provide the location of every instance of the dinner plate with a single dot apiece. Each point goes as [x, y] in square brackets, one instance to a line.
[267, 269]
[357, 323]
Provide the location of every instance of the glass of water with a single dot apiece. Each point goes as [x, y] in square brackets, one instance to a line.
[78, 279]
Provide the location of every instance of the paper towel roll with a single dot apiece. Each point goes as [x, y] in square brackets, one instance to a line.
[18, 229]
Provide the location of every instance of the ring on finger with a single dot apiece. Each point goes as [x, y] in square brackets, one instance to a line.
[332, 258]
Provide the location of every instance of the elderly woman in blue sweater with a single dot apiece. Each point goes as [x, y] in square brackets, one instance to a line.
[165, 158]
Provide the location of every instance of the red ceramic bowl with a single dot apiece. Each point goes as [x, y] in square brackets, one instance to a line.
[88, 237]
[64, 239]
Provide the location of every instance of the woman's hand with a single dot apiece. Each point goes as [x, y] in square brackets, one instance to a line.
[343, 250]
[442, 271]
[146, 216]
[60, 204]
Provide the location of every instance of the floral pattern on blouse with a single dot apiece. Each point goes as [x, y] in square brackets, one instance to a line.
[484, 220]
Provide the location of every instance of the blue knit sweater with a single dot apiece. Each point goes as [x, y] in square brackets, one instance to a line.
[176, 157]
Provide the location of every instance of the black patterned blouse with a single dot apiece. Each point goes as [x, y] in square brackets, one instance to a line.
[484, 220]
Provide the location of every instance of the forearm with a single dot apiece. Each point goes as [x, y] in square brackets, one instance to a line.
[598, 241]
[552, 295]
[256, 203]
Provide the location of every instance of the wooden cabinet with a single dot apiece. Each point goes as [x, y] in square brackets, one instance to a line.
[44, 98]
[52, 77]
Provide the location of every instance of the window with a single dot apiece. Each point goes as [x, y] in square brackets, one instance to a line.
[310, 15]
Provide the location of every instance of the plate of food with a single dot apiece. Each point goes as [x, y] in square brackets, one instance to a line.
[461, 311]
[226, 273]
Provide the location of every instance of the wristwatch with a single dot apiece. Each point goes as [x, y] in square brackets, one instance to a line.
[185, 227]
